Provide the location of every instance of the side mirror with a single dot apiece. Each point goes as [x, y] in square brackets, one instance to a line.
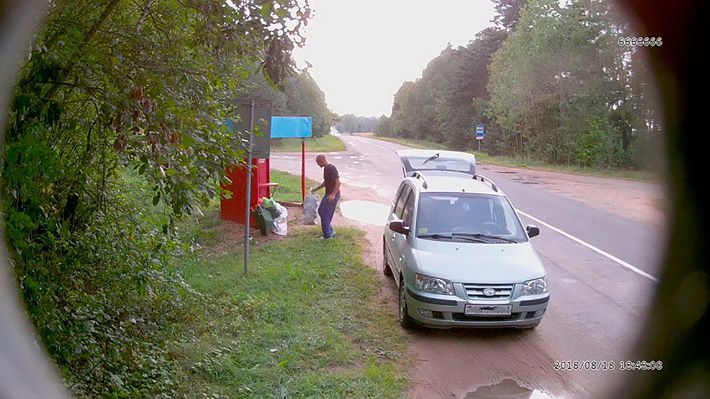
[398, 227]
[532, 230]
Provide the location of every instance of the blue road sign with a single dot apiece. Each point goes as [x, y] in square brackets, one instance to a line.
[291, 126]
[480, 131]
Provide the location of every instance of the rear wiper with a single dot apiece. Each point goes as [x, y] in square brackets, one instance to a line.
[482, 236]
[431, 158]
[451, 237]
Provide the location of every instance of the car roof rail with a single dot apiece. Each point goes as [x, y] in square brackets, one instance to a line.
[420, 177]
[486, 180]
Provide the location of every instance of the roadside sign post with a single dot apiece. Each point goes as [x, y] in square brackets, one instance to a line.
[250, 176]
[294, 127]
[480, 133]
[303, 170]
[248, 190]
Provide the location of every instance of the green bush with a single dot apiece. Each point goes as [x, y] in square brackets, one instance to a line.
[113, 138]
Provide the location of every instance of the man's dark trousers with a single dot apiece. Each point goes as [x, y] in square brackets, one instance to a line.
[326, 210]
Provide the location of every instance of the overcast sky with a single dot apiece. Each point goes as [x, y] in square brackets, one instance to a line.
[362, 50]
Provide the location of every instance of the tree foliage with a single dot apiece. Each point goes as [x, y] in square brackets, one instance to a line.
[549, 82]
[350, 123]
[444, 103]
[561, 87]
[299, 96]
[121, 104]
[305, 98]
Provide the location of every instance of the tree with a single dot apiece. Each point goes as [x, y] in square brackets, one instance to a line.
[558, 85]
[305, 98]
[350, 123]
[122, 103]
[508, 13]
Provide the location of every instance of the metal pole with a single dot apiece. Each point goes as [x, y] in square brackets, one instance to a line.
[303, 171]
[247, 225]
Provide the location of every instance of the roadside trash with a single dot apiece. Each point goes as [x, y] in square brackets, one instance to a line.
[264, 220]
[270, 204]
[280, 222]
[271, 217]
[310, 209]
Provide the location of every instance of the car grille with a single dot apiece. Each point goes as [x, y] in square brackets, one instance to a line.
[475, 291]
[465, 317]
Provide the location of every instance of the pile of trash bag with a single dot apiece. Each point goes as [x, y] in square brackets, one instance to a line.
[310, 209]
[271, 217]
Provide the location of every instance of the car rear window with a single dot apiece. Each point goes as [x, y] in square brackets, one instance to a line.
[440, 164]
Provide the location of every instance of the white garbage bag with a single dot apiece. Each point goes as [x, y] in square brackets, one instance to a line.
[280, 223]
[310, 209]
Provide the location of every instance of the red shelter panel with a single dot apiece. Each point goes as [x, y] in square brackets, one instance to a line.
[234, 208]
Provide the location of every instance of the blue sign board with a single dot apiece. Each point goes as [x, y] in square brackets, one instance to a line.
[480, 131]
[291, 127]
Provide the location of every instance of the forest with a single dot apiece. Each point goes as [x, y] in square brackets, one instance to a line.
[549, 80]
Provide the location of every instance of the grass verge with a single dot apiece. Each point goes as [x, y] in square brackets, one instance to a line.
[289, 188]
[305, 322]
[518, 162]
[327, 143]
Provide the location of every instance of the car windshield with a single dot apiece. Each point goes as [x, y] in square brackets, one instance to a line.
[440, 164]
[488, 218]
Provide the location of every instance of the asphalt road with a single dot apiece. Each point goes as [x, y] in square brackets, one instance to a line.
[600, 268]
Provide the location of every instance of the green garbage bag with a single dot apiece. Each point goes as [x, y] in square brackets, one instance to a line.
[270, 205]
[264, 220]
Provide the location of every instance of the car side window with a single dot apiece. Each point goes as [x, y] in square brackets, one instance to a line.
[401, 200]
[398, 194]
[408, 210]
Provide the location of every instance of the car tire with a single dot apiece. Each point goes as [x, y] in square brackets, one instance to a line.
[386, 270]
[405, 320]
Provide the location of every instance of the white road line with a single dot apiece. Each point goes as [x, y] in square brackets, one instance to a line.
[592, 247]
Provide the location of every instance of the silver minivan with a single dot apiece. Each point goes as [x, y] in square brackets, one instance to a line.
[458, 250]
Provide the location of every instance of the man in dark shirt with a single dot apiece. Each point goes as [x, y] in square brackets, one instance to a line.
[331, 182]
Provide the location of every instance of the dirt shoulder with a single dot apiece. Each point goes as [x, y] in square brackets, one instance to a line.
[639, 201]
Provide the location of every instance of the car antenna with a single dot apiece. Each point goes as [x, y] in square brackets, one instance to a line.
[431, 158]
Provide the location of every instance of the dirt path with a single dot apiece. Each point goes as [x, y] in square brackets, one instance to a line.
[643, 202]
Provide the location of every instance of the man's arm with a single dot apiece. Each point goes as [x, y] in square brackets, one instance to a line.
[335, 190]
[313, 190]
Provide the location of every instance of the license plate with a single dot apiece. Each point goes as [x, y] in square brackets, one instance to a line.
[488, 310]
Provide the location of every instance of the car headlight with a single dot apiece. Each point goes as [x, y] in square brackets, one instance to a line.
[535, 287]
[433, 285]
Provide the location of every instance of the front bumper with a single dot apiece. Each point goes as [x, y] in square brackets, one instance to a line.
[448, 311]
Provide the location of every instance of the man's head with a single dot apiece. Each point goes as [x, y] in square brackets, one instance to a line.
[321, 161]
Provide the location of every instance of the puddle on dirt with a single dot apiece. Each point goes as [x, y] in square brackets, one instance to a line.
[507, 389]
[365, 212]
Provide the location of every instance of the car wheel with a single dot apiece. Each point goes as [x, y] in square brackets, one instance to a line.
[405, 320]
[385, 267]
